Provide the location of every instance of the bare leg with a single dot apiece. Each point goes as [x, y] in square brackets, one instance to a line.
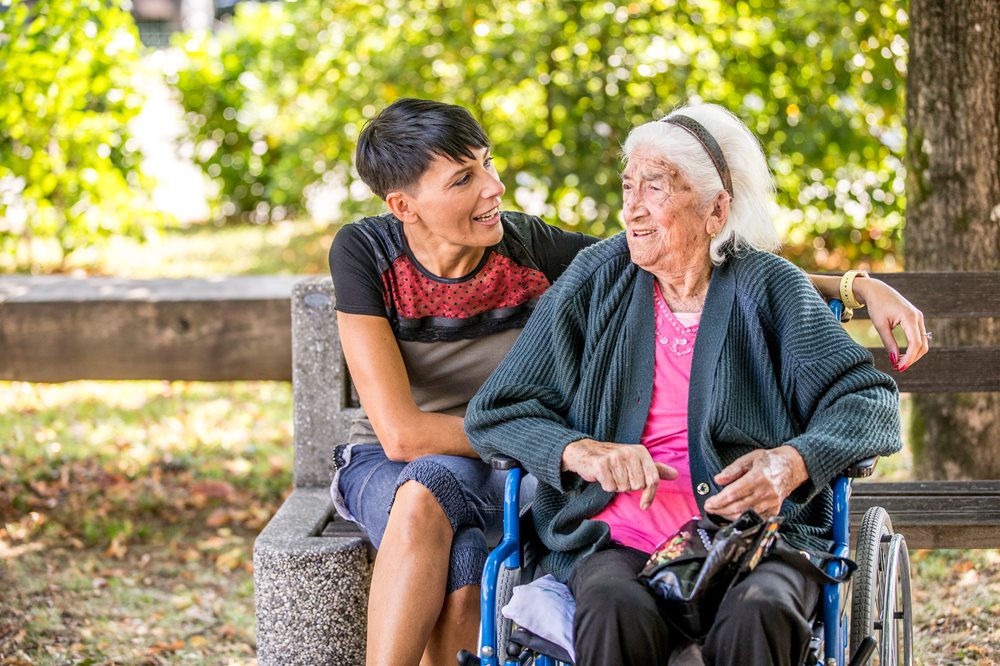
[408, 584]
[457, 628]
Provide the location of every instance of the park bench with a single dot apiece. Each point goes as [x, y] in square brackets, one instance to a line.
[312, 570]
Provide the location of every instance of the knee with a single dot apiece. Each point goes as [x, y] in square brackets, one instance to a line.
[755, 608]
[628, 626]
[608, 602]
[417, 515]
[770, 625]
[463, 602]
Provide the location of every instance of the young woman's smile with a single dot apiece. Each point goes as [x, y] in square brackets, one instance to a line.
[452, 214]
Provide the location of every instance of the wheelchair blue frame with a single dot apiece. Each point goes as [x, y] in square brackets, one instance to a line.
[833, 613]
[508, 554]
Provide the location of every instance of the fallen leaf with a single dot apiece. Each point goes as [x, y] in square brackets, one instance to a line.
[218, 518]
[160, 647]
[117, 548]
[229, 560]
[963, 566]
[213, 489]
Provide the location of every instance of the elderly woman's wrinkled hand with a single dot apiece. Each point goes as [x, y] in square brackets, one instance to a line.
[619, 468]
[759, 480]
[888, 309]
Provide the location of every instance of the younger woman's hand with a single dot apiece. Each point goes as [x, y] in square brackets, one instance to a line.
[888, 309]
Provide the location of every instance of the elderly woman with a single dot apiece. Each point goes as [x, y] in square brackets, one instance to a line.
[677, 369]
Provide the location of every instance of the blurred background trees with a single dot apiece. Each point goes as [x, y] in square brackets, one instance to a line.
[274, 101]
[69, 166]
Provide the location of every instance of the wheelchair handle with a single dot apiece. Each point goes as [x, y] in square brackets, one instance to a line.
[862, 468]
[503, 463]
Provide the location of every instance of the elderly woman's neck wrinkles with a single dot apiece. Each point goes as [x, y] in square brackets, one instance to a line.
[685, 292]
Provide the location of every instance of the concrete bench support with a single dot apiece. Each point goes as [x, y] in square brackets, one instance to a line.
[311, 590]
[311, 569]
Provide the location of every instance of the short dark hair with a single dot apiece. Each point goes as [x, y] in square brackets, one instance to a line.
[396, 146]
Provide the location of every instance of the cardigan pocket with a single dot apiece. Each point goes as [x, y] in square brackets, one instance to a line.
[735, 436]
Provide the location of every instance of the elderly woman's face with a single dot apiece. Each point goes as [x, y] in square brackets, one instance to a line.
[665, 229]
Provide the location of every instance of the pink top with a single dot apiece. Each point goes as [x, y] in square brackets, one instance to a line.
[666, 437]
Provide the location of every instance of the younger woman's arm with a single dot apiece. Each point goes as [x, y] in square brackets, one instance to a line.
[887, 309]
[376, 364]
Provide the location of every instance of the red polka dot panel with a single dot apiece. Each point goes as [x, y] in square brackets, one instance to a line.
[501, 283]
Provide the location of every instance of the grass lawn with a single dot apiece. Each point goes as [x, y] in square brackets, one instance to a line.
[128, 512]
[128, 509]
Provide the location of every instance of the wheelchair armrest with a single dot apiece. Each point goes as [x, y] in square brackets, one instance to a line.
[862, 468]
[503, 463]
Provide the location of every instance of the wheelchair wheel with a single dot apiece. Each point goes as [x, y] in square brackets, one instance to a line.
[880, 599]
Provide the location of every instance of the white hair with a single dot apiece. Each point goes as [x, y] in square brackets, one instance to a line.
[749, 222]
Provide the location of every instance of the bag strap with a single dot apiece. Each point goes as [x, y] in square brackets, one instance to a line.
[804, 563]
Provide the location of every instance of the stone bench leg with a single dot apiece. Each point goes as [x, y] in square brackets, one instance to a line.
[310, 591]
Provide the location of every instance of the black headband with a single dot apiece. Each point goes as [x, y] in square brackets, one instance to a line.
[708, 142]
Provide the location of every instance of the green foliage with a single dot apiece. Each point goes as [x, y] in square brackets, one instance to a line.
[69, 169]
[277, 101]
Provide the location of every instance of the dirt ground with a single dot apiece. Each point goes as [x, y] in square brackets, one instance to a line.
[189, 600]
[186, 601]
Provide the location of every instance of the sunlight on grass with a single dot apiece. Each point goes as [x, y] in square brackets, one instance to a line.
[289, 247]
[114, 463]
[221, 428]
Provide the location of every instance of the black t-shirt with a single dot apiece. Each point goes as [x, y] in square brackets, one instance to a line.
[375, 273]
[452, 333]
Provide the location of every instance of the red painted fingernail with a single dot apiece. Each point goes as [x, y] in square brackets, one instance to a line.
[903, 367]
[893, 358]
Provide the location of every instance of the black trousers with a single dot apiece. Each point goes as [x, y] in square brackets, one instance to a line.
[764, 619]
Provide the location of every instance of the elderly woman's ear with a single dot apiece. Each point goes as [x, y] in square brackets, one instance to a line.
[717, 214]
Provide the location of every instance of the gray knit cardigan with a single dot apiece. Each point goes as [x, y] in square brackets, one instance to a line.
[771, 366]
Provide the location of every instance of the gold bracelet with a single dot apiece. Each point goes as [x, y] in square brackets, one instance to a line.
[847, 289]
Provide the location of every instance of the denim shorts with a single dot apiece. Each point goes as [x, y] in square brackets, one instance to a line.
[468, 490]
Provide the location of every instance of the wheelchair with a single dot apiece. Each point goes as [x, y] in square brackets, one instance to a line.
[867, 618]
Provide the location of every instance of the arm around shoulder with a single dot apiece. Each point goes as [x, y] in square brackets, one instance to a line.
[888, 309]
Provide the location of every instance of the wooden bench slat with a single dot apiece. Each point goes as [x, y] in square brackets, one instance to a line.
[927, 488]
[950, 508]
[55, 329]
[936, 514]
[947, 370]
[948, 536]
[967, 295]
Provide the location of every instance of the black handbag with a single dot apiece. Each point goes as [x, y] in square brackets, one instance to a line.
[693, 569]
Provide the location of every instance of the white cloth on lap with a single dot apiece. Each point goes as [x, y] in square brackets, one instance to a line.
[545, 607]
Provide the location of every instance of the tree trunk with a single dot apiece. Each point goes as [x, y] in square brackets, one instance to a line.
[953, 210]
